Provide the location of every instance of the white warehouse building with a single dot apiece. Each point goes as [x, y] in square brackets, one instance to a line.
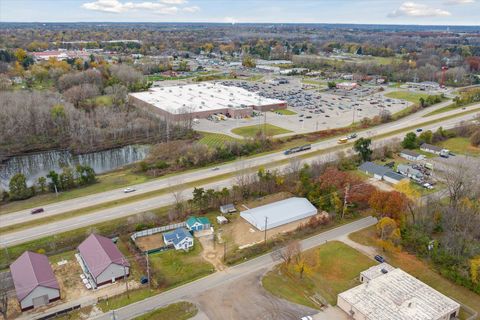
[279, 213]
[391, 293]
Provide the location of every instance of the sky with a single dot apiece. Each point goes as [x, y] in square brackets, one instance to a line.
[421, 12]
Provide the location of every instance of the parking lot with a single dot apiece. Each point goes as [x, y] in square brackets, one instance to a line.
[314, 110]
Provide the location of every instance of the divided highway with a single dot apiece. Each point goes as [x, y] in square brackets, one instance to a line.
[12, 238]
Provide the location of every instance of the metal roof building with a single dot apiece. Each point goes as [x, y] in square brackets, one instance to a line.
[35, 283]
[102, 259]
[396, 295]
[279, 213]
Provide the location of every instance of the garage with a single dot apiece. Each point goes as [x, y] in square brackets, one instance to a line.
[279, 213]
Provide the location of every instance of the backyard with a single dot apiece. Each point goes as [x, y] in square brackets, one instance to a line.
[330, 269]
[461, 146]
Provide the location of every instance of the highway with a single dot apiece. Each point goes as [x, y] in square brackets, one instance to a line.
[17, 237]
[195, 288]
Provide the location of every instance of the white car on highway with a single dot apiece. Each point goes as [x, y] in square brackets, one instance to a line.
[128, 190]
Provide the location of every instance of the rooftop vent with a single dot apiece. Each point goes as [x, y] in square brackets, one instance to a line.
[384, 270]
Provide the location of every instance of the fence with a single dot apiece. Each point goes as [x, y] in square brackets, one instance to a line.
[58, 313]
[152, 231]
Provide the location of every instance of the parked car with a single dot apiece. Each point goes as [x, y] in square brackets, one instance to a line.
[307, 318]
[419, 130]
[38, 210]
[427, 186]
[379, 258]
[128, 190]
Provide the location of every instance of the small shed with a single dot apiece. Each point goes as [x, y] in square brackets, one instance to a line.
[228, 208]
[222, 220]
[34, 281]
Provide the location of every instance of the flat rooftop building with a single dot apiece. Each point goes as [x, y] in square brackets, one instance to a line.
[392, 294]
[279, 213]
[203, 99]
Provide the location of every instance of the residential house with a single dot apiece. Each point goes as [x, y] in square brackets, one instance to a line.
[393, 177]
[34, 281]
[198, 224]
[434, 149]
[374, 169]
[180, 239]
[102, 261]
[411, 155]
[409, 171]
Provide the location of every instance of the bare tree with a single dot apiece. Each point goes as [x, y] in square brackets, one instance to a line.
[290, 251]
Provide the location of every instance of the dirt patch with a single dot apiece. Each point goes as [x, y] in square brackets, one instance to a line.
[380, 185]
[152, 242]
[247, 299]
[212, 252]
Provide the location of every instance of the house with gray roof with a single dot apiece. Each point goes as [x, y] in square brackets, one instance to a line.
[102, 260]
[411, 155]
[409, 171]
[374, 169]
[34, 281]
[393, 177]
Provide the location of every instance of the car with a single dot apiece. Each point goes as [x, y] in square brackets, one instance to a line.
[216, 169]
[419, 130]
[306, 318]
[427, 186]
[308, 117]
[128, 190]
[37, 210]
[380, 258]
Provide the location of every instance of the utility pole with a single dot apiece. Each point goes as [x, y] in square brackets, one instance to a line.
[148, 270]
[264, 125]
[125, 277]
[266, 219]
[347, 188]
[113, 315]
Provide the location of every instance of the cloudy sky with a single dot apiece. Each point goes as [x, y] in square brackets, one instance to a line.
[441, 12]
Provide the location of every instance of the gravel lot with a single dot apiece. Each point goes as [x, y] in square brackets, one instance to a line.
[246, 299]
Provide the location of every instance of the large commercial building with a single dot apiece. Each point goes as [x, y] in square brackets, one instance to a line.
[390, 293]
[279, 213]
[201, 100]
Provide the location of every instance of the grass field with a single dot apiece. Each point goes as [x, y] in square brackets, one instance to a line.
[421, 270]
[460, 145]
[332, 268]
[123, 299]
[450, 107]
[285, 112]
[178, 311]
[215, 139]
[406, 95]
[251, 131]
[175, 267]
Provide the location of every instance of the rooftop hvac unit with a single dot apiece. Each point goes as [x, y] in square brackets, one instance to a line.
[211, 95]
[203, 102]
[384, 270]
[189, 89]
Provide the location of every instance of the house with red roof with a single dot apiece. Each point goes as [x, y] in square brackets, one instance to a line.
[102, 260]
[34, 281]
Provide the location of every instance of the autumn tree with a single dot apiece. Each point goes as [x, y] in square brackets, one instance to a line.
[290, 251]
[389, 204]
[388, 233]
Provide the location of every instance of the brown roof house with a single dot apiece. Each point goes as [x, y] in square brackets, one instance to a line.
[102, 260]
[35, 283]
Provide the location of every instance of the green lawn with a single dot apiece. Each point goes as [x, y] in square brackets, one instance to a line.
[421, 270]
[406, 95]
[460, 145]
[215, 139]
[178, 311]
[124, 299]
[251, 131]
[285, 112]
[175, 267]
[332, 268]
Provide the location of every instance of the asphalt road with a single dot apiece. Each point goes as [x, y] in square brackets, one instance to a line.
[17, 237]
[196, 288]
